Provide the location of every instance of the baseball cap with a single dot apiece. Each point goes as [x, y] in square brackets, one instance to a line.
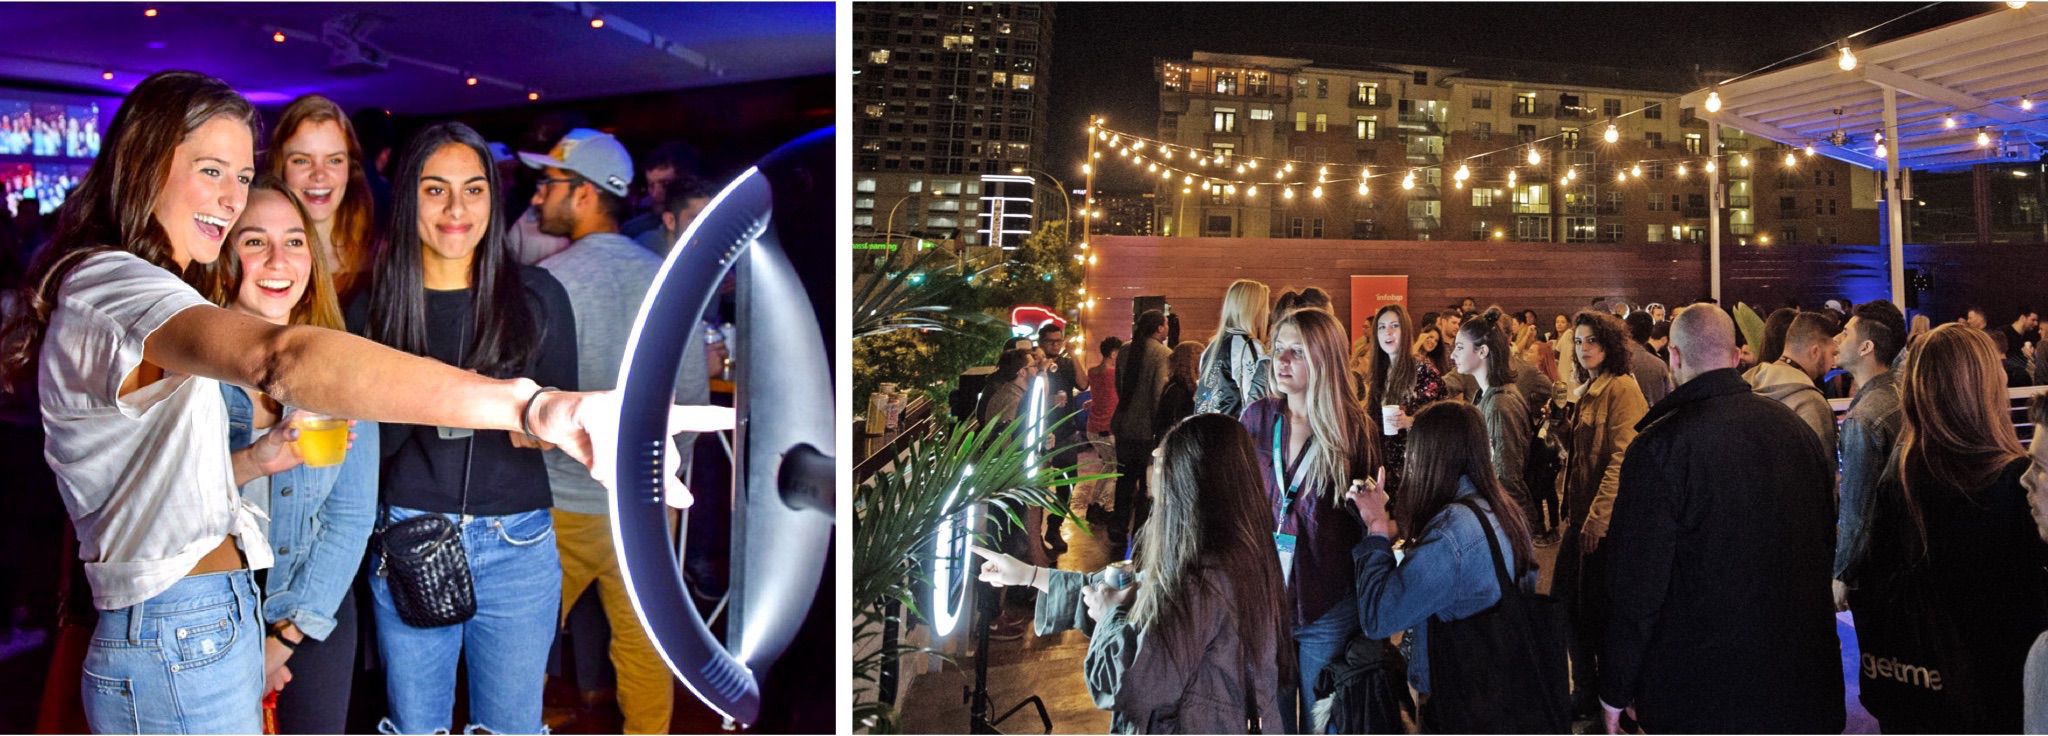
[592, 155]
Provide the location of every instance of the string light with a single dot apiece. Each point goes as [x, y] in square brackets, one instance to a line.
[1323, 174]
[1621, 176]
[1151, 168]
[1571, 174]
[1564, 181]
[1535, 157]
[1848, 60]
[1681, 170]
[1790, 160]
[1408, 180]
[2016, 4]
[1316, 192]
[150, 13]
[107, 75]
[1880, 150]
[1743, 160]
[1511, 178]
[1251, 190]
[1139, 146]
[2026, 103]
[1983, 137]
[1288, 193]
[469, 79]
[1636, 170]
[1189, 180]
[1613, 134]
[597, 20]
[1710, 166]
[1877, 135]
[1362, 190]
[1240, 168]
[1254, 163]
[277, 36]
[1462, 174]
[1713, 101]
[1289, 167]
[533, 94]
[1948, 121]
[1230, 189]
[1086, 169]
[1809, 150]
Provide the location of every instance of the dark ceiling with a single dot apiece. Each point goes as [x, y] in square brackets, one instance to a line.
[430, 48]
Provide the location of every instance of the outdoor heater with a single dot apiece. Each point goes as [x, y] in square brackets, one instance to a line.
[783, 471]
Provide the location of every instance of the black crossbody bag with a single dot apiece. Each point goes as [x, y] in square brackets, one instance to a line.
[424, 565]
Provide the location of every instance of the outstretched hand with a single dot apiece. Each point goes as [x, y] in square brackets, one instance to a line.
[585, 424]
[1001, 570]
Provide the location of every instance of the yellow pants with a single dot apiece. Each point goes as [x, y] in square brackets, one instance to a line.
[646, 687]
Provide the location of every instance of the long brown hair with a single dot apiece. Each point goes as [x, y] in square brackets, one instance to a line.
[1208, 511]
[1337, 425]
[318, 306]
[354, 219]
[1186, 364]
[1956, 415]
[111, 210]
[1393, 379]
[1484, 332]
[1448, 443]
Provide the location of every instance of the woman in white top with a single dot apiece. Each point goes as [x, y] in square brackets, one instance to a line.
[129, 357]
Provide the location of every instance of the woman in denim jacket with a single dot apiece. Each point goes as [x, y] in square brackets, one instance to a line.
[319, 517]
[1447, 573]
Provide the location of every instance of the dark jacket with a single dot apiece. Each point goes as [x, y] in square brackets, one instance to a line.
[1507, 435]
[1138, 391]
[1176, 402]
[1721, 615]
[1206, 675]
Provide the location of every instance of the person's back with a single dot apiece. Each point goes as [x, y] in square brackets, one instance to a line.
[1791, 387]
[1722, 619]
[1651, 374]
[1135, 408]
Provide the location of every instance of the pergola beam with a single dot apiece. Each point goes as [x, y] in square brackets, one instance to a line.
[1775, 133]
[1923, 89]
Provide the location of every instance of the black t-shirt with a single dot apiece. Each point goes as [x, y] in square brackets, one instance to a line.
[423, 471]
[2015, 341]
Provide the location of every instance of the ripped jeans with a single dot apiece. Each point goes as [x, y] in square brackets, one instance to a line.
[188, 660]
[518, 579]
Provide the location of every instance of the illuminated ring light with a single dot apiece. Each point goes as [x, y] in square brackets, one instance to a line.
[782, 494]
[953, 568]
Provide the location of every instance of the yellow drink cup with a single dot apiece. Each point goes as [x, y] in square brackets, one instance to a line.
[323, 440]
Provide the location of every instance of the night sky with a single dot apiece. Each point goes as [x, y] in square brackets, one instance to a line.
[1103, 52]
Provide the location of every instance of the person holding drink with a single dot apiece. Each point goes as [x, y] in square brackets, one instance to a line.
[1398, 387]
[299, 466]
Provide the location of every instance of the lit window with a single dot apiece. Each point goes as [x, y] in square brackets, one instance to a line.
[1262, 113]
[916, 186]
[866, 185]
[1225, 120]
[1368, 128]
[1656, 234]
[878, 56]
[864, 203]
[875, 109]
[999, 79]
[1368, 93]
[1300, 121]
[1482, 197]
[1322, 123]
[1023, 81]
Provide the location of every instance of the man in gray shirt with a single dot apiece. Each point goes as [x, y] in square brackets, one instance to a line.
[582, 192]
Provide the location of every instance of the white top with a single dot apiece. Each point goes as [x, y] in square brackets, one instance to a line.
[146, 477]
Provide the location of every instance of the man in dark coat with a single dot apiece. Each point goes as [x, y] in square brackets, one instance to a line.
[1722, 619]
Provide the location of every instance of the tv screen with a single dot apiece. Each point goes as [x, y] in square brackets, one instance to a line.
[14, 128]
[49, 129]
[47, 141]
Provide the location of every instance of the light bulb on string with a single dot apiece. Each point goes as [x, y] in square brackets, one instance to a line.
[1462, 174]
[1279, 175]
[1288, 193]
[1116, 140]
[2026, 103]
[1681, 170]
[1323, 174]
[1621, 176]
[1809, 150]
[1288, 167]
[1948, 121]
[1240, 168]
[1535, 157]
[1139, 146]
[1877, 135]
[1636, 170]
[1983, 137]
[1880, 152]
[1571, 174]
[1613, 134]
[1189, 180]
[1710, 166]
[1848, 58]
[1166, 175]
[1086, 169]
[1743, 160]
[1230, 189]
[1316, 192]
[1563, 181]
[1791, 160]
[1254, 163]
[1102, 135]
[1713, 101]
[1151, 168]
[1167, 151]
[1362, 190]
[1408, 180]
[1251, 190]
[1098, 154]
[1511, 178]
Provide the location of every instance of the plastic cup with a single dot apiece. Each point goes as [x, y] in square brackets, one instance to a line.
[323, 440]
[1117, 574]
[1388, 414]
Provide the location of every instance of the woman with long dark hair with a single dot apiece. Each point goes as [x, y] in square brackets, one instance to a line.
[1951, 526]
[1449, 573]
[131, 357]
[1430, 346]
[319, 516]
[1141, 375]
[1594, 430]
[445, 286]
[1198, 642]
[1481, 351]
[1312, 439]
[314, 151]
[1400, 385]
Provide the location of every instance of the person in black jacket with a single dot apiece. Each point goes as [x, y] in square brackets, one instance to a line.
[1721, 617]
[1177, 400]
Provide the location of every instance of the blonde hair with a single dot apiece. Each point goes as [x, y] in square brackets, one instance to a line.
[1336, 424]
[318, 306]
[1245, 307]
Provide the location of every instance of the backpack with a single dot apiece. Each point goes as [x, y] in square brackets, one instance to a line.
[1220, 392]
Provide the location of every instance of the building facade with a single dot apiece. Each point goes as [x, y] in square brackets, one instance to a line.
[944, 93]
[1348, 112]
[1125, 213]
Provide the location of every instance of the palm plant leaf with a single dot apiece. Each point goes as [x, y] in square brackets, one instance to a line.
[915, 296]
[1752, 326]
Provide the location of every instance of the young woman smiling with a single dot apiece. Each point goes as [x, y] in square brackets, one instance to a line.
[314, 151]
[272, 272]
[130, 358]
[445, 286]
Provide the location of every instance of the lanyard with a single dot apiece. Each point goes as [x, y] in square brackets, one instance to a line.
[1288, 490]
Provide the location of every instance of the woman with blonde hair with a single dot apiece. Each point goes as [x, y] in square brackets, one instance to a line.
[1313, 439]
[1399, 385]
[1231, 373]
[313, 150]
[1953, 546]
[320, 517]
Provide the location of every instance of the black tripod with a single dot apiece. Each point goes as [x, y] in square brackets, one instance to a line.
[977, 698]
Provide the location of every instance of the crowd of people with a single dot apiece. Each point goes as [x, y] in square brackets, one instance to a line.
[1629, 518]
[203, 303]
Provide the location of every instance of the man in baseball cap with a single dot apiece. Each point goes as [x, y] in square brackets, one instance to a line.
[581, 196]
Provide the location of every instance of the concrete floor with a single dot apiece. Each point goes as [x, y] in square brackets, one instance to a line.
[1050, 667]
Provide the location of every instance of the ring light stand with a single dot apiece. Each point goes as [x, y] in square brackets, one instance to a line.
[783, 477]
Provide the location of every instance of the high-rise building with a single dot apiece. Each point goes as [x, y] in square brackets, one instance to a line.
[1410, 121]
[1125, 213]
[944, 94]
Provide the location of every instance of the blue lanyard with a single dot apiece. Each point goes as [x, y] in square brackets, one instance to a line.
[1288, 490]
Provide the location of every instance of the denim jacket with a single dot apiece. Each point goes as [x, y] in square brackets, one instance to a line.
[1870, 430]
[320, 522]
[1448, 575]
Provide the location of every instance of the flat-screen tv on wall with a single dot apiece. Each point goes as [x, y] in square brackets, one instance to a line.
[47, 141]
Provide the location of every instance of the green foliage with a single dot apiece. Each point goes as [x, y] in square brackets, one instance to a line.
[897, 514]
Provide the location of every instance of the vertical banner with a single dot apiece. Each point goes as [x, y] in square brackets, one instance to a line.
[1368, 294]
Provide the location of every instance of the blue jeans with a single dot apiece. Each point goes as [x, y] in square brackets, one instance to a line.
[189, 660]
[1319, 642]
[518, 583]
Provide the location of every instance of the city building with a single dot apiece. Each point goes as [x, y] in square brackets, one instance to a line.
[945, 93]
[1125, 213]
[1411, 120]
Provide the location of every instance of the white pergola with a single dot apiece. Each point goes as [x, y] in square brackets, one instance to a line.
[1980, 72]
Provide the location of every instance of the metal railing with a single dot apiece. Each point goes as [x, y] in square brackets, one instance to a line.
[1528, 110]
[917, 421]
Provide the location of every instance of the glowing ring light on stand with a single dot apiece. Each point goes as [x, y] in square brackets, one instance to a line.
[783, 476]
[953, 568]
